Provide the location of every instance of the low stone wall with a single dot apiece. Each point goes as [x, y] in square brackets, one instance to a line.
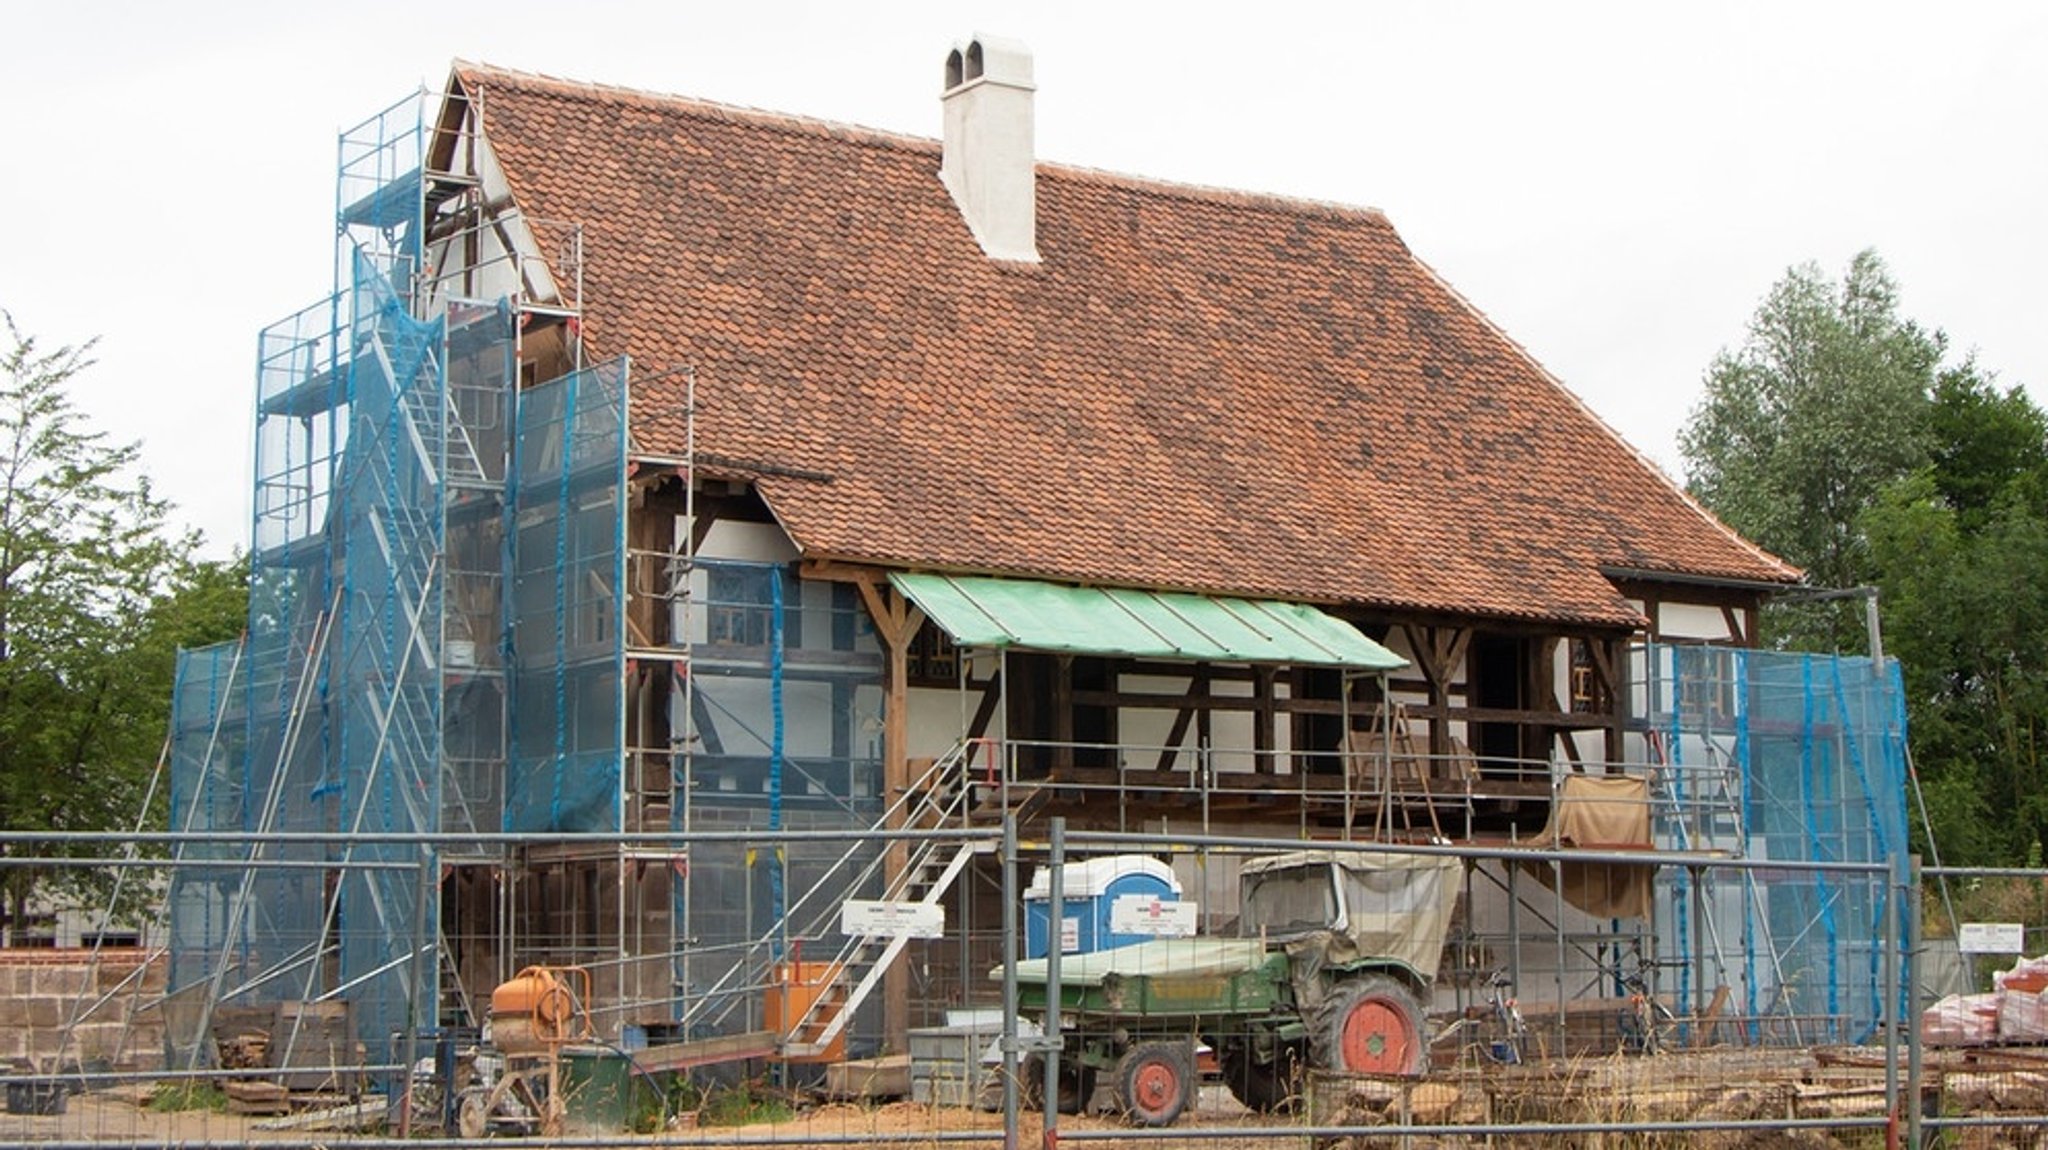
[108, 1002]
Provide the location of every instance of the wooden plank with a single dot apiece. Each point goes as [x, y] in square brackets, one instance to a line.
[252, 1096]
[705, 1052]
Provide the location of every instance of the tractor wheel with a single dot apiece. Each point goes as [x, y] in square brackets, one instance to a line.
[1263, 1087]
[1371, 1025]
[1156, 1081]
[1077, 1083]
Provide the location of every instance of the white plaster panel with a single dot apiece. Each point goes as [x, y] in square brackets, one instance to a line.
[1692, 621]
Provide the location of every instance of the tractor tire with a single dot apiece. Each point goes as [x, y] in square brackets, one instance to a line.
[1077, 1084]
[1262, 1087]
[1155, 1082]
[1371, 1025]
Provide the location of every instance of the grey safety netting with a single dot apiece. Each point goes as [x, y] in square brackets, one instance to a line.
[1780, 756]
[568, 630]
[787, 699]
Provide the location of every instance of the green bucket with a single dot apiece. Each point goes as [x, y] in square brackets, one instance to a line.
[603, 1093]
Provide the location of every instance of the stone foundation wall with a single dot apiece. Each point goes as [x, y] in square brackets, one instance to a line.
[42, 991]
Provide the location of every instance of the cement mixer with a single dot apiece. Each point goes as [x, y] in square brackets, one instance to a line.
[533, 1015]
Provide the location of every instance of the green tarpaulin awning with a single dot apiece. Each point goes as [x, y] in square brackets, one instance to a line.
[1033, 616]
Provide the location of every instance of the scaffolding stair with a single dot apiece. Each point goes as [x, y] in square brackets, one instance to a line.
[925, 877]
[457, 1008]
[936, 799]
[447, 452]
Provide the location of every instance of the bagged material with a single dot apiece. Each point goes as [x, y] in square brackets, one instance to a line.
[1962, 1020]
[2022, 1016]
[2028, 976]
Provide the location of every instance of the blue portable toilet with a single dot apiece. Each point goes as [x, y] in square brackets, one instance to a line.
[1089, 888]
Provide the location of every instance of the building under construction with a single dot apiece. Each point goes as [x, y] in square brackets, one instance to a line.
[658, 470]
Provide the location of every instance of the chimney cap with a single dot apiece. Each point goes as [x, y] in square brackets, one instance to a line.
[997, 59]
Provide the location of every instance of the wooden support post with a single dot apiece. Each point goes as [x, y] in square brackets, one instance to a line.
[896, 623]
[1063, 713]
[1264, 716]
[1438, 652]
[1542, 696]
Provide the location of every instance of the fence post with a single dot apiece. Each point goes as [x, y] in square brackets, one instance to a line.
[1009, 1040]
[1914, 1068]
[1056, 893]
[1888, 1010]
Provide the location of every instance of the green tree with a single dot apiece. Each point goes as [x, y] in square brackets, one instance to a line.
[95, 595]
[1837, 438]
[1823, 406]
[1988, 446]
[1960, 553]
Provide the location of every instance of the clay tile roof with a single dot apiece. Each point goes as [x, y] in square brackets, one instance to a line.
[1194, 389]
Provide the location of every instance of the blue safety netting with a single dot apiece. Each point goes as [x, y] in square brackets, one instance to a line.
[328, 718]
[207, 790]
[567, 629]
[385, 775]
[1780, 756]
[482, 368]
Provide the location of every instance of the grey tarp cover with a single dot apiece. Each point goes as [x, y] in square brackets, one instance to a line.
[1396, 906]
[1175, 957]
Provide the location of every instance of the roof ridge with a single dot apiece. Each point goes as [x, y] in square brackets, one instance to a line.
[1216, 193]
[791, 121]
[698, 105]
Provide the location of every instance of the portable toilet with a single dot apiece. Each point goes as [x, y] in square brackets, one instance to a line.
[1089, 888]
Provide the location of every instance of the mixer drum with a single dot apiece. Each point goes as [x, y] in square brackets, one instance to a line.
[532, 1012]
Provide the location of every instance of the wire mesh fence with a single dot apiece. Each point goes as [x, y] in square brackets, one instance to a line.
[1100, 986]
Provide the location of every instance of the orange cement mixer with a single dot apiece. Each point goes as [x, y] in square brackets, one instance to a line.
[540, 1009]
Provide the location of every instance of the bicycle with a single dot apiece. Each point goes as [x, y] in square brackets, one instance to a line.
[1506, 1036]
[1646, 1024]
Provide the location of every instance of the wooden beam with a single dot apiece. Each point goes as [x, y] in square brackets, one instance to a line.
[1152, 702]
[1062, 712]
[833, 571]
[1198, 686]
[985, 711]
[1264, 715]
[1560, 720]
[896, 623]
[1613, 654]
[1736, 630]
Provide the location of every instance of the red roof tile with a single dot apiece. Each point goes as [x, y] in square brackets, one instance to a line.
[1195, 388]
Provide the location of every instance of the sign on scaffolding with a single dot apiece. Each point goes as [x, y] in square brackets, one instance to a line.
[878, 919]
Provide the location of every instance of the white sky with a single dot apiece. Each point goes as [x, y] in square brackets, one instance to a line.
[1616, 185]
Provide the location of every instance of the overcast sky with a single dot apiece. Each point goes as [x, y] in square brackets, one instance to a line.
[1615, 185]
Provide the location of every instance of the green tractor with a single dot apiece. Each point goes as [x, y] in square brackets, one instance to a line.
[1334, 960]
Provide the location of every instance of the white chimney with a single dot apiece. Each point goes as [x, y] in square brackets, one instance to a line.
[989, 165]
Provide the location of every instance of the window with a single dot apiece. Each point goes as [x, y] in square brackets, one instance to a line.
[933, 660]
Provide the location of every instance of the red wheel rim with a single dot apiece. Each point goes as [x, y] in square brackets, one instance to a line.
[1154, 1087]
[1377, 1038]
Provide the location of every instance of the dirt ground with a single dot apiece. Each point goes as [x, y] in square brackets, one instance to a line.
[1638, 1090]
[118, 1118]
